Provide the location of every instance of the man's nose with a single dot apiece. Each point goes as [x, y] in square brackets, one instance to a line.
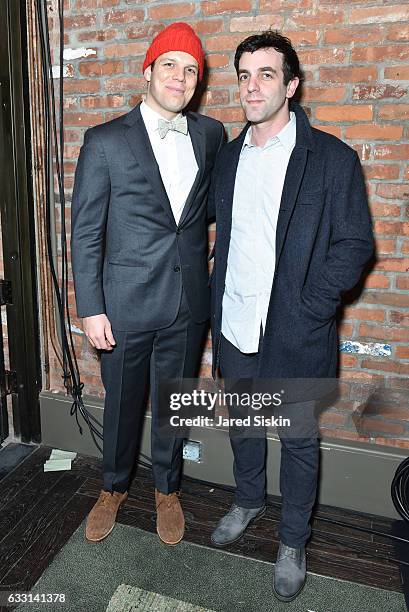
[179, 74]
[252, 83]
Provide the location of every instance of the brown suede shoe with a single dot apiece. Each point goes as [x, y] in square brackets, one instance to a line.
[101, 519]
[170, 522]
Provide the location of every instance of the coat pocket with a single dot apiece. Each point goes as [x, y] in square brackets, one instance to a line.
[127, 274]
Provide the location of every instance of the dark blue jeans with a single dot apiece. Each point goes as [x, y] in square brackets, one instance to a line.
[299, 457]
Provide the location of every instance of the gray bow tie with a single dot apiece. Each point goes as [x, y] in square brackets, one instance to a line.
[178, 125]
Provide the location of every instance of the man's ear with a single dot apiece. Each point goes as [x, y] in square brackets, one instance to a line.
[292, 86]
[147, 74]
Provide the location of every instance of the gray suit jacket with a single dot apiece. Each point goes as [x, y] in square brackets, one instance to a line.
[129, 258]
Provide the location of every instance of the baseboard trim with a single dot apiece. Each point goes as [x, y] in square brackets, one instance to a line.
[352, 475]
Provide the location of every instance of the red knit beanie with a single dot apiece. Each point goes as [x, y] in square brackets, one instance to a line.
[176, 37]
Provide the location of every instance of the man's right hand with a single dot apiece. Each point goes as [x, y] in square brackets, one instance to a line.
[98, 331]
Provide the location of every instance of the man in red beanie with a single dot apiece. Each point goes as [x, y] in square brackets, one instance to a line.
[139, 259]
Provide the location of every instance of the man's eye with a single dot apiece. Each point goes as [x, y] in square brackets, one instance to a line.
[243, 77]
[169, 64]
[267, 75]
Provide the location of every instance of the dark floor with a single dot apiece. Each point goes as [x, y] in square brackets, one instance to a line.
[40, 510]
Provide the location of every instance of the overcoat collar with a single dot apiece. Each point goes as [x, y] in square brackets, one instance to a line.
[139, 143]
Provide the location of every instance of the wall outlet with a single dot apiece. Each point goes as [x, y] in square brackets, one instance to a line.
[192, 451]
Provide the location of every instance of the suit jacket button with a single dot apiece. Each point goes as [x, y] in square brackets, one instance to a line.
[176, 268]
[179, 231]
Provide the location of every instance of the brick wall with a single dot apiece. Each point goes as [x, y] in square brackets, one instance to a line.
[356, 61]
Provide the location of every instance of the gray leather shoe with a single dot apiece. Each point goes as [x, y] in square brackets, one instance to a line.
[233, 525]
[289, 572]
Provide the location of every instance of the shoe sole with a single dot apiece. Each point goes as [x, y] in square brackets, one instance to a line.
[288, 598]
[253, 520]
[170, 543]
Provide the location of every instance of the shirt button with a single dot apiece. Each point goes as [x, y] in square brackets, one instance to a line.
[176, 268]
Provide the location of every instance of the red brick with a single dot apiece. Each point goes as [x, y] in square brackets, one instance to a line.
[113, 115]
[85, 119]
[377, 281]
[397, 72]
[377, 92]
[220, 7]
[360, 376]
[277, 5]
[402, 282]
[381, 332]
[213, 97]
[316, 57]
[364, 314]
[374, 132]
[102, 101]
[101, 68]
[402, 318]
[372, 425]
[228, 115]
[79, 21]
[91, 36]
[345, 112]
[394, 111]
[144, 30]
[391, 151]
[393, 264]
[402, 352]
[303, 38]
[81, 86]
[222, 78]
[81, 4]
[399, 383]
[380, 53]
[379, 14]
[405, 246]
[391, 228]
[117, 84]
[395, 442]
[172, 11]
[256, 24]
[345, 36]
[393, 191]
[313, 18]
[330, 129]
[217, 60]
[348, 74]
[384, 210]
[384, 246]
[400, 31]
[332, 418]
[135, 99]
[401, 300]
[382, 171]
[126, 49]
[348, 361]
[323, 94]
[125, 17]
[208, 26]
[225, 42]
[345, 329]
[363, 150]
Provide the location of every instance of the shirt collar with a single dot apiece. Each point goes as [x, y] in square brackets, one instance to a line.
[286, 137]
[151, 117]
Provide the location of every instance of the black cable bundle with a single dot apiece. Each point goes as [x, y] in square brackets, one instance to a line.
[71, 375]
[400, 489]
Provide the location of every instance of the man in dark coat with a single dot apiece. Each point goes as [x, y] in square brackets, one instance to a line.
[293, 232]
[139, 257]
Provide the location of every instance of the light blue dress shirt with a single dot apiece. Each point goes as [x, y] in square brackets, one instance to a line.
[251, 261]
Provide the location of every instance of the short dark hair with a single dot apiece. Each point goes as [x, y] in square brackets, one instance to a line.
[271, 39]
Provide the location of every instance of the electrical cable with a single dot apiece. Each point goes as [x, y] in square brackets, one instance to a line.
[71, 375]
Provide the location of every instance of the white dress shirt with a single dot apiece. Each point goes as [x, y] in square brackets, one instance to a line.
[251, 261]
[175, 157]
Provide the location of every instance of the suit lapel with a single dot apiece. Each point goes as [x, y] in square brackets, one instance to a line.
[292, 184]
[198, 138]
[140, 145]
